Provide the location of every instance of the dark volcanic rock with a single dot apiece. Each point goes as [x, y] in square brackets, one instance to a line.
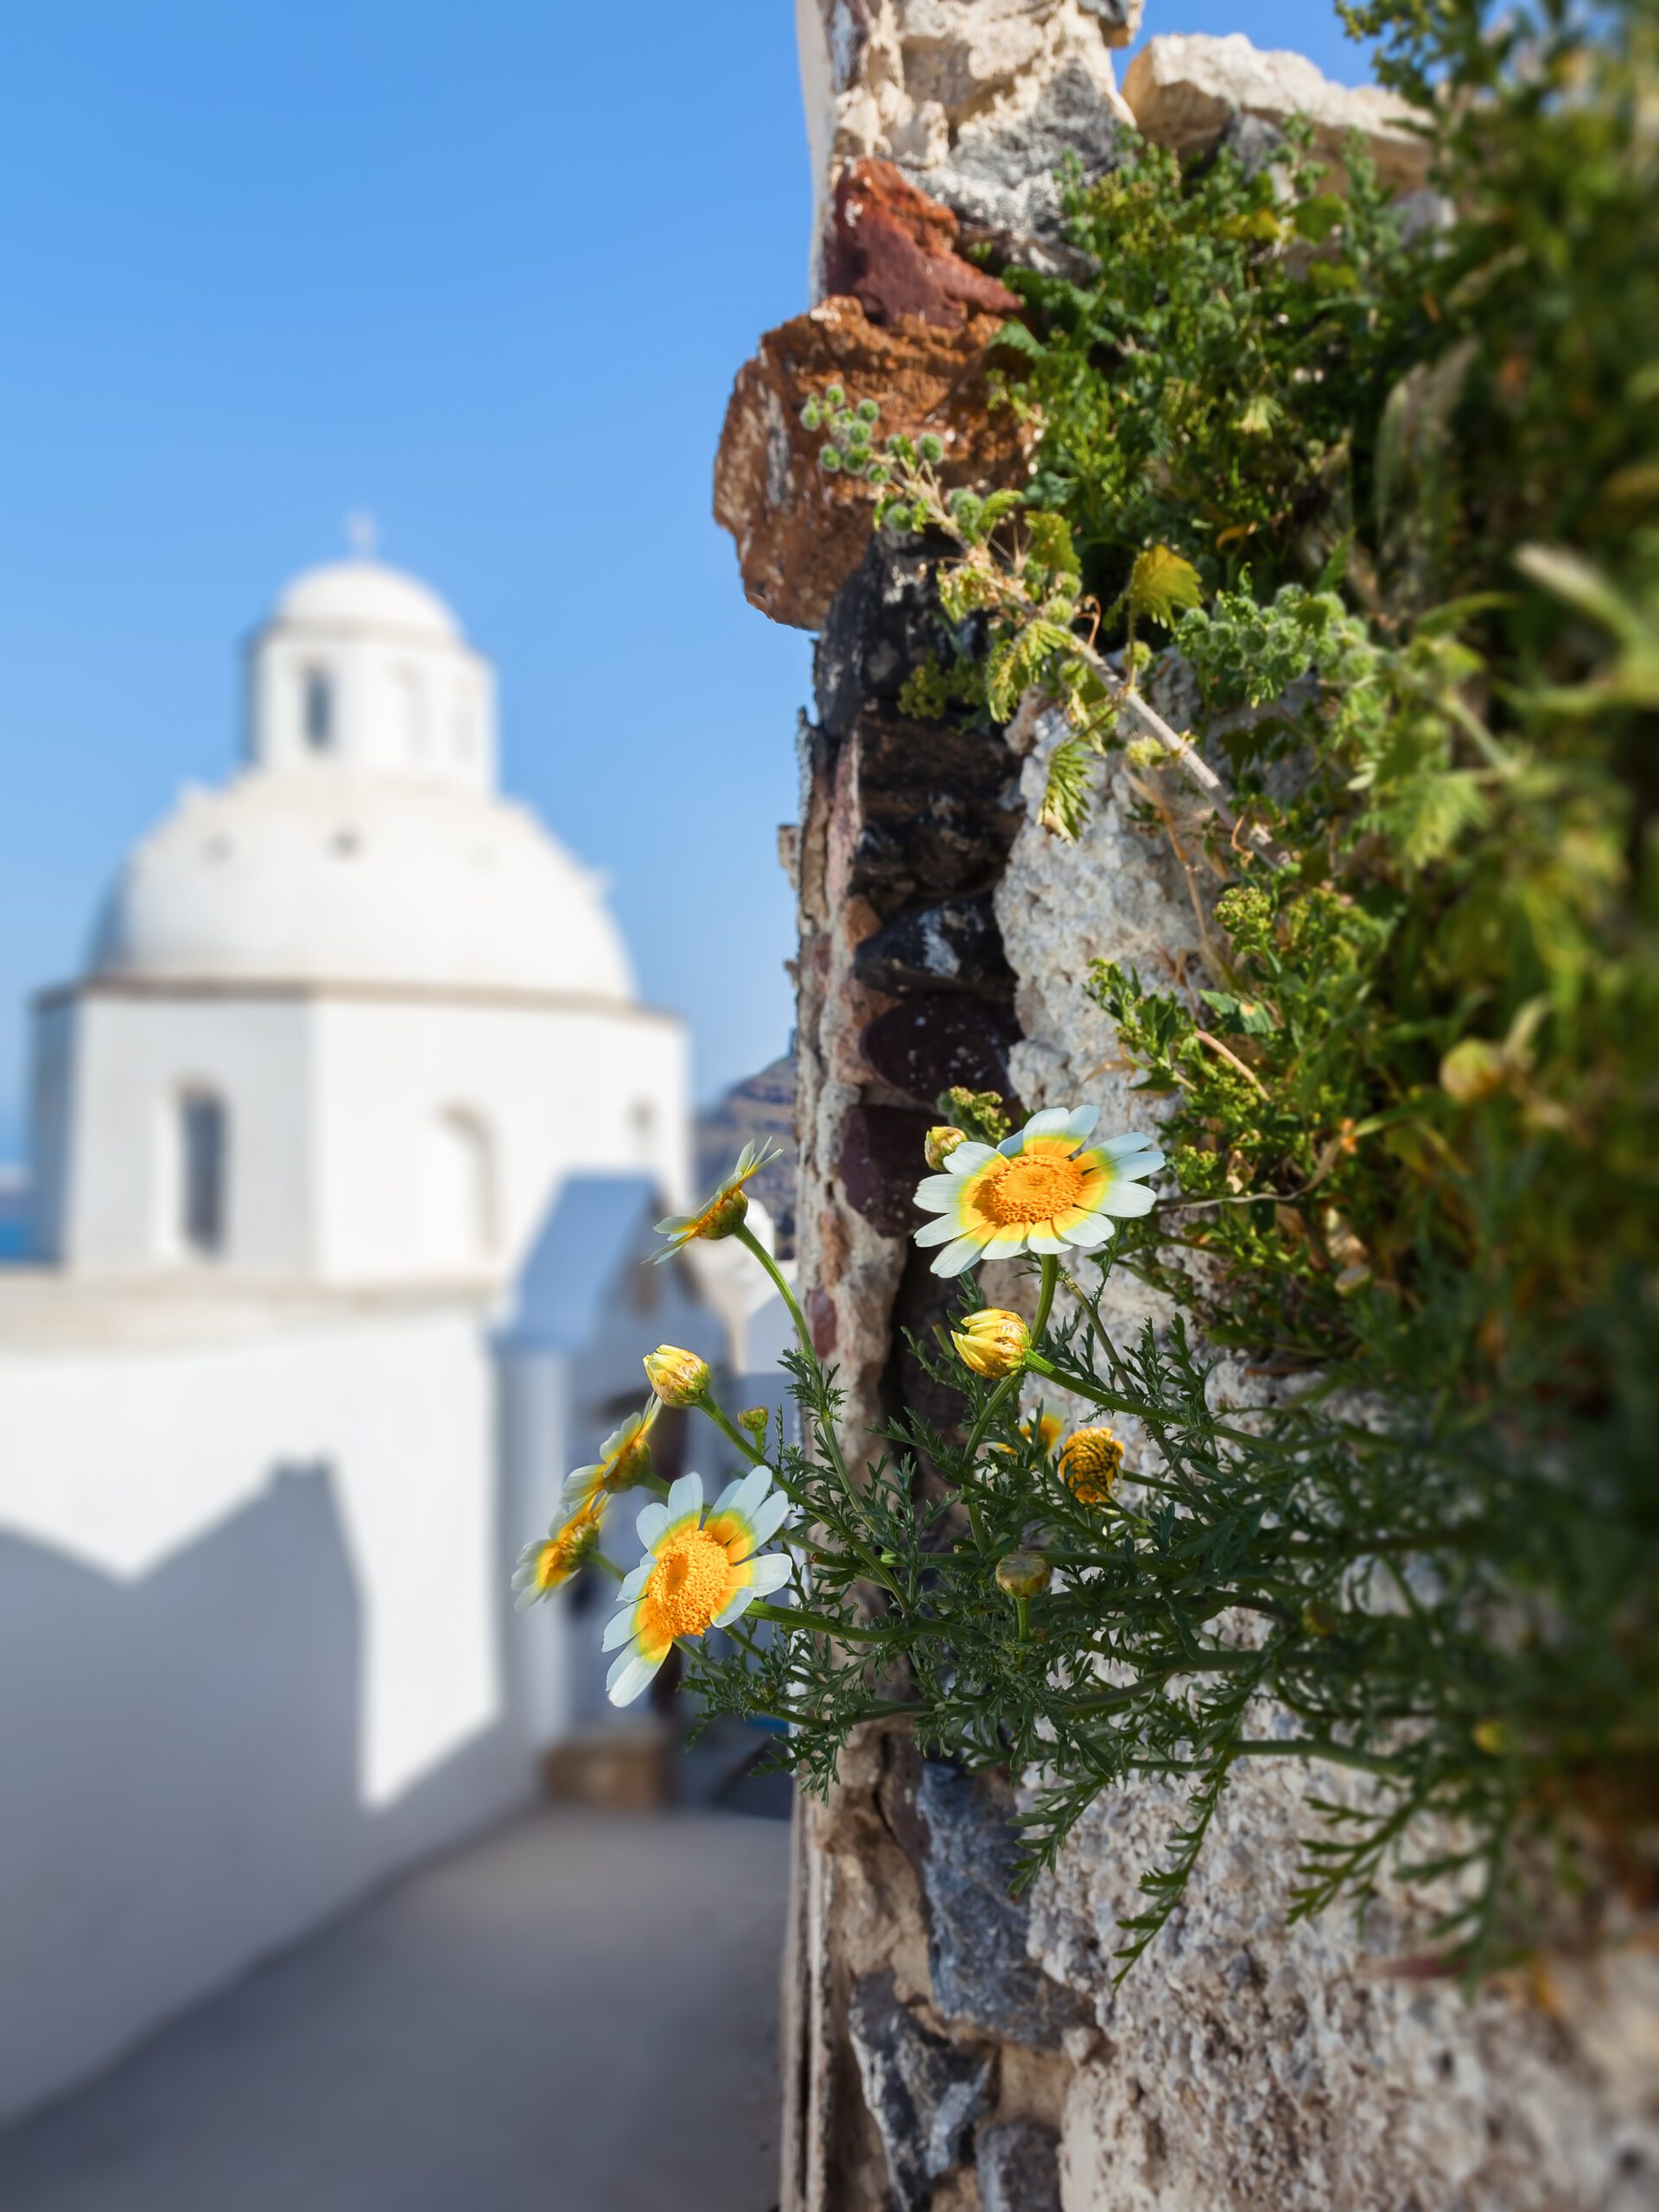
[938, 809]
[1019, 2168]
[923, 2094]
[884, 622]
[923, 1302]
[953, 947]
[925, 1045]
[976, 1932]
[881, 1162]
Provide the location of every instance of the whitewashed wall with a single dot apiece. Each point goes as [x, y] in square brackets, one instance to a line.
[332, 1096]
[252, 1646]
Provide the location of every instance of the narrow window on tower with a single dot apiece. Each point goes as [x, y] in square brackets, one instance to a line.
[317, 709]
[204, 1150]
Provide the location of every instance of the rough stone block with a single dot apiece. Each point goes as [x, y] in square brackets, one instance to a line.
[881, 1163]
[925, 1045]
[1019, 2167]
[981, 1969]
[924, 2093]
[1184, 88]
[893, 249]
[885, 622]
[799, 532]
[956, 946]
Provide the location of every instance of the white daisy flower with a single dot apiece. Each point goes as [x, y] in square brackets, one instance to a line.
[697, 1573]
[1045, 1189]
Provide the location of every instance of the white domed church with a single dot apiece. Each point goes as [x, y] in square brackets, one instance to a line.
[346, 1145]
[350, 1017]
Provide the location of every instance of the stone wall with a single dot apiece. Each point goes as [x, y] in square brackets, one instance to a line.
[948, 2046]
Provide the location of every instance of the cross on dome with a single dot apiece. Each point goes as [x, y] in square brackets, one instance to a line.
[362, 534]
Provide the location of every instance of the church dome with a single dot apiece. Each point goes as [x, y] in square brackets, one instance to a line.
[367, 594]
[359, 880]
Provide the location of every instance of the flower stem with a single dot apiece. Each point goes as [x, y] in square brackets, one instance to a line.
[989, 1411]
[728, 1429]
[795, 1617]
[826, 1428]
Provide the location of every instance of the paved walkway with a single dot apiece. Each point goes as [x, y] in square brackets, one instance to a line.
[578, 2014]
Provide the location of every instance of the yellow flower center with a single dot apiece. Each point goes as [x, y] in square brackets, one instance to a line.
[1033, 1186]
[561, 1553]
[724, 1214]
[690, 1583]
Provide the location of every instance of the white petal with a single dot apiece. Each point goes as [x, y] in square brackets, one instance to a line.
[685, 1497]
[935, 1193]
[739, 1606]
[1123, 1148]
[955, 1257]
[528, 1593]
[1006, 1243]
[770, 1574]
[632, 1584]
[1095, 1231]
[653, 1520]
[629, 1676]
[770, 1518]
[1040, 1241]
[618, 1629]
[1048, 1123]
[1012, 1147]
[743, 1496]
[1081, 1120]
[967, 1157]
[1128, 1200]
[936, 1232]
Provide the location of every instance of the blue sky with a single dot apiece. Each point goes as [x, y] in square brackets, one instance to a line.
[487, 271]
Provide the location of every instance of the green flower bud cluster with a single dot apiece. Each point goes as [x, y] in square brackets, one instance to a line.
[849, 425]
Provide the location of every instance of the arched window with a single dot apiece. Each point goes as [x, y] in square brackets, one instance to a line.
[457, 1199]
[642, 1118]
[204, 1144]
[317, 709]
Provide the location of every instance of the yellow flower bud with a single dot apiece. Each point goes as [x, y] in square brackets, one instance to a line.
[1090, 1465]
[942, 1142]
[679, 1378]
[754, 1419]
[1022, 1574]
[1492, 1737]
[1473, 1070]
[993, 1342]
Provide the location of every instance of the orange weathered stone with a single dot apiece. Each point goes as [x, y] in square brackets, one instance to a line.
[800, 533]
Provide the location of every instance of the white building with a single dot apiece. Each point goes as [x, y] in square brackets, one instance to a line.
[350, 1018]
[356, 1039]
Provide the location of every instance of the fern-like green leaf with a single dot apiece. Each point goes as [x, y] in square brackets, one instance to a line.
[1066, 796]
[1162, 582]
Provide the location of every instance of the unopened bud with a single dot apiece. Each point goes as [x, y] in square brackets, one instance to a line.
[679, 1378]
[1472, 1071]
[942, 1142]
[1022, 1574]
[993, 1342]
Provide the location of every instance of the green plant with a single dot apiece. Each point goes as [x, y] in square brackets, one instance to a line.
[1393, 506]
